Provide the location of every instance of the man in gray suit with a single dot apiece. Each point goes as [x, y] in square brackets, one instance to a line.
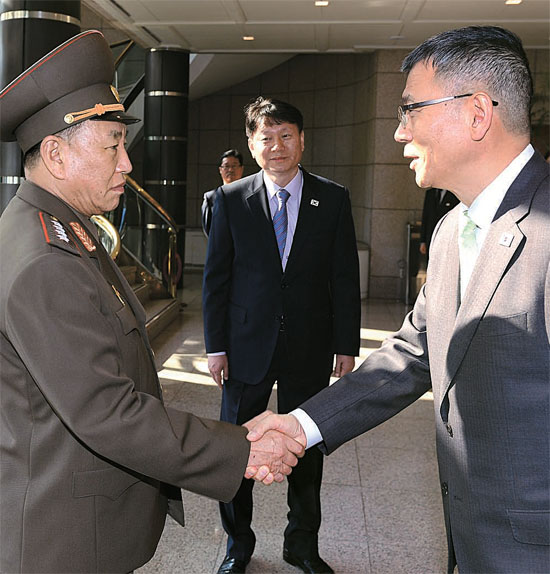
[480, 329]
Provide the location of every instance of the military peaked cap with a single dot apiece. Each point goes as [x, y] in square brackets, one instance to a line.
[67, 86]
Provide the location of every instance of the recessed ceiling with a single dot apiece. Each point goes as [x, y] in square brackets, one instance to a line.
[298, 26]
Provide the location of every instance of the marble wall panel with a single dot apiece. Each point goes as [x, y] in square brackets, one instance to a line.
[215, 113]
[301, 73]
[343, 137]
[325, 107]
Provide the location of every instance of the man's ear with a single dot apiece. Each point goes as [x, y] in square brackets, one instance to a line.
[482, 115]
[52, 152]
[251, 146]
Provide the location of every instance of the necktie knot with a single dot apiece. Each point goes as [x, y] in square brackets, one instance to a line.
[282, 196]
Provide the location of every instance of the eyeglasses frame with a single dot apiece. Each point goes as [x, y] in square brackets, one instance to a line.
[404, 108]
[228, 167]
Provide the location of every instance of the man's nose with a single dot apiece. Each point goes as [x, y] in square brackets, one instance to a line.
[402, 134]
[124, 163]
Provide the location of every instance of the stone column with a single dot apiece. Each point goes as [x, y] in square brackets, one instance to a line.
[29, 29]
[165, 140]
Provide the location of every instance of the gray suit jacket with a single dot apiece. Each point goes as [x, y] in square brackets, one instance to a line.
[86, 444]
[488, 361]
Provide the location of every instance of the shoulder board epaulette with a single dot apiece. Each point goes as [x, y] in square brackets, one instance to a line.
[55, 233]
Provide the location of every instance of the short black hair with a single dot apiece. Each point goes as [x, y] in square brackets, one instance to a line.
[487, 58]
[231, 153]
[271, 111]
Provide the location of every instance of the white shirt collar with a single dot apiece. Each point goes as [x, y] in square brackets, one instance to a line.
[485, 205]
[293, 187]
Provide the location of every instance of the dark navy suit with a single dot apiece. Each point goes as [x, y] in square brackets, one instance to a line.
[283, 326]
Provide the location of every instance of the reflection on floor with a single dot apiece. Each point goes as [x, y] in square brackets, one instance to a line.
[381, 504]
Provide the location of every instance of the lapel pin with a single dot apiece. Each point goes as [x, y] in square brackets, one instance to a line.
[506, 239]
[314, 202]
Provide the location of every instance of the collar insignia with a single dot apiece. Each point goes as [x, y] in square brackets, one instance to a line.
[83, 236]
[55, 233]
[59, 231]
[314, 202]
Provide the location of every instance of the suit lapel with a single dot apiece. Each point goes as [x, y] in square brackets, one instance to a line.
[502, 242]
[491, 264]
[256, 200]
[306, 220]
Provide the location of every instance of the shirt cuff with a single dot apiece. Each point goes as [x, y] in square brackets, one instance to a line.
[311, 430]
[218, 354]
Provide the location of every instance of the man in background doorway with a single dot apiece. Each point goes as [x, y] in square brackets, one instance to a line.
[231, 169]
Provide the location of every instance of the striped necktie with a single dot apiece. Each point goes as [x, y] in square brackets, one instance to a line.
[280, 221]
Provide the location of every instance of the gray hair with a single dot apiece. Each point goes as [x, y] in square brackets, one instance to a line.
[33, 155]
[485, 58]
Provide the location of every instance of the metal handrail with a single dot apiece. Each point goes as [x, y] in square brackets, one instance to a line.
[152, 202]
[110, 230]
[172, 229]
[124, 52]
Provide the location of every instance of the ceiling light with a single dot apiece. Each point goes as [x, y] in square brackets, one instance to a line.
[512, 2]
[322, 3]
[248, 38]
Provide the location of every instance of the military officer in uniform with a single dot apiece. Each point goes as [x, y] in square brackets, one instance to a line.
[88, 449]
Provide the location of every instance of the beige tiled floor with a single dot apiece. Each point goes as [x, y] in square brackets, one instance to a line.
[381, 503]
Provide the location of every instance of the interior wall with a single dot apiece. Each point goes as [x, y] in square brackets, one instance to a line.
[349, 105]
[348, 102]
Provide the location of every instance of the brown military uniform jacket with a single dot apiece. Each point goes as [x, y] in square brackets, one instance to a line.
[87, 447]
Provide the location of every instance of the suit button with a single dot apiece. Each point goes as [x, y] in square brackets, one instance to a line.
[449, 429]
[444, 488]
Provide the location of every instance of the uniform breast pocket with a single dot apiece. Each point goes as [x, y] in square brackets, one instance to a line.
[499, 326]
[127, 319]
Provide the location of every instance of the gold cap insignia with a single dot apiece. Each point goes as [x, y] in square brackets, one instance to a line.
[115, 93]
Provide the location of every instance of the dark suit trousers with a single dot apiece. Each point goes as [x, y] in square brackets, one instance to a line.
[240, 403]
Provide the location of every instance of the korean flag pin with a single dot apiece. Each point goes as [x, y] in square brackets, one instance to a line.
[506, 239]
[314, 202]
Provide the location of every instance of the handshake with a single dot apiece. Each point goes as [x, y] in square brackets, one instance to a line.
[277, 442]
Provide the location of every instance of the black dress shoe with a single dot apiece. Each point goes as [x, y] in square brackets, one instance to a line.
[232, 566]
[308, 565]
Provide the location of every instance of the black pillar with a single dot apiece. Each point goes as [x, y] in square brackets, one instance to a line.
[29, 29]
[165, 135]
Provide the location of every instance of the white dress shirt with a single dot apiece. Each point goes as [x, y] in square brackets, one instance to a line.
[294, 187]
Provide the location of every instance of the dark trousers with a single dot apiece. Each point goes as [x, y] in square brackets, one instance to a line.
[240, 403]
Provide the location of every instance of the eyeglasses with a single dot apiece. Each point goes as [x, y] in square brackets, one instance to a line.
[402, 110]
[228, 167]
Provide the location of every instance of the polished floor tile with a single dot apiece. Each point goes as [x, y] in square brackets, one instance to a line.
[381, 503]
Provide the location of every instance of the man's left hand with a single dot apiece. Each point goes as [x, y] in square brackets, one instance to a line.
[342, 365]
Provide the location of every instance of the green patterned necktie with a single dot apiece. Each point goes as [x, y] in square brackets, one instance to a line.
[468, 235]
[468, 252]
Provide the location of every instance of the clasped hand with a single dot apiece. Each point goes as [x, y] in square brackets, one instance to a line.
[277, 442]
